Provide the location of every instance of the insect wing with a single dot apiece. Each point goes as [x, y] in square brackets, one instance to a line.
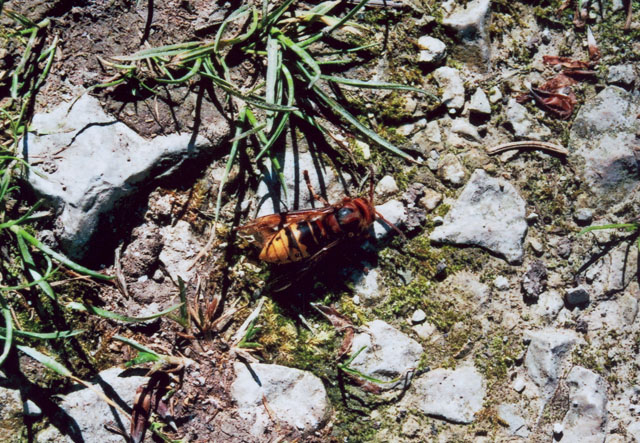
[267, 226]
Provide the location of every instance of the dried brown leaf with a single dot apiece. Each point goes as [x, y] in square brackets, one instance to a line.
[338, 320]
[565, 62]
[347, 341]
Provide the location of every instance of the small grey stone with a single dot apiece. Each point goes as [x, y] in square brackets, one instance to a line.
[564, 247]
[603, 138]
[455, 395]
[418, 316]
[462, 127]
[532, 218]
[411, 427]
[479, 103]
[386, 186]
[180, 248]
[91, 413]
[395, 212]
[522, 124]
[545, 355]
[501, 283]
[388, 353]
[536, 245]
[366, 284]
[438, 220]
[470, 21]
[432, 50]
[424, 330]
[296, 398]
[450, 81]
[577, 297]
[583, 216]
[517, 425]
[550, 303]
[558, 430]
[621, 75]
[545, 35]
[498, 213]
[534, 281]
[519, 384]
[587, 416]
[451, 170]
[495, 95]
[431, 199]
[30, 409]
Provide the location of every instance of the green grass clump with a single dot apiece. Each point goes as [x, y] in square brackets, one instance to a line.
[300, 49]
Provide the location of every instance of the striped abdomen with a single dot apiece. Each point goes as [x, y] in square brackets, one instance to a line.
[304, 239]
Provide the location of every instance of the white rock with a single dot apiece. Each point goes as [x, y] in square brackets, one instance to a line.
[432, 49]
[432, 132]
[549, 305]
[180, 248]
[295, 398]
[509, 413]
[495, 95]
[558, 429]
[324, 180]
[545, 356]
[470, 20]
[424, 330]
[453, 87]
[366, 284]
[622, 75]
[386, 186]
[479, 103]
[522, 123]
[418, 316]
[501, 283]
[395, 212]
[31, 409]
[92, 162]
[603, 136]
[498, 215]
[463, 127]
[11, 409]
[387, 355]
[634, 430]
[587, 416]
[431, 199]
[455, 395]
[451, 170]
[519, 384]
[90, 413]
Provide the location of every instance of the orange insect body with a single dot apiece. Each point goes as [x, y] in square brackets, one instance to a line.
[307, 234]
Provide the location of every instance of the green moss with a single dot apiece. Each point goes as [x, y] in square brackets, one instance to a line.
[497, 354]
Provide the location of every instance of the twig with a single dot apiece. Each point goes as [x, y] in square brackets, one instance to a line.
[627, 23]
[528, 144]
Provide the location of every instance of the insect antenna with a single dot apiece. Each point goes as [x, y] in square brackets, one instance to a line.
[371, 184]
[394, 227]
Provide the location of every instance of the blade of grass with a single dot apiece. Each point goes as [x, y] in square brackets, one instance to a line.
[376, 85]
[329, 29]
[61, 258]
[43, 335]
[335, 106]
[114, 316]
[627, 226]
[304, 56]
[285, 116]
[232, 156]
[31, 268]
[8, 339]
[273, 68]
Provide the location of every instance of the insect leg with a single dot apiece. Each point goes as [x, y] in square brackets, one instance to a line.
[313, 193]
[371, 185]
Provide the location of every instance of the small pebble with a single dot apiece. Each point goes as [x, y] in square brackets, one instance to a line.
[558, 430]
[536, 245]
[438, 220]
[386, 186]
[583, 216]
[356, 300]
[479, 103]
[518, 384]
[501, 283]
[30, 409]
[532, 218]
[577, 296]
[418, 317]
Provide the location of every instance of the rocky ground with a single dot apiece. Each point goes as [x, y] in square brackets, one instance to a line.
[495, 320]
